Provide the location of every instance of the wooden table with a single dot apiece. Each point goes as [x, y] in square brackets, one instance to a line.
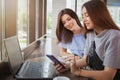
[47, 45]
[67, 73]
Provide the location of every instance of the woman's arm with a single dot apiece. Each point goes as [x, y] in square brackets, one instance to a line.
[64, 52]
[106, 74]
[81, 62]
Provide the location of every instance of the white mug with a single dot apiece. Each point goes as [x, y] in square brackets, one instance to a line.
[61, 78]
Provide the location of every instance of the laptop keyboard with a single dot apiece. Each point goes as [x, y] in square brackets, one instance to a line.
[39, 70]
[34, 70]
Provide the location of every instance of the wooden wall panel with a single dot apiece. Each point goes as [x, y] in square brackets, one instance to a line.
[10, 18]
[40, 18]
[32, 18]
[45, 16]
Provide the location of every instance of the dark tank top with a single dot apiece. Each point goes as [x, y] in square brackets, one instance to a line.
[95, 63]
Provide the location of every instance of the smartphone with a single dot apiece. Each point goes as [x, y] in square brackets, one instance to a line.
[54, 59]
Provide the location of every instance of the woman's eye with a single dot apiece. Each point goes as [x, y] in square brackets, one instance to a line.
[69, 19]
[87, 15]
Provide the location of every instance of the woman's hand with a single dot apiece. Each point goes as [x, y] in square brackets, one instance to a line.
[60, 69]
[69, 58]
[75, 70]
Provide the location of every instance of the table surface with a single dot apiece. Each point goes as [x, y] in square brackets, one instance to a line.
[48, 46]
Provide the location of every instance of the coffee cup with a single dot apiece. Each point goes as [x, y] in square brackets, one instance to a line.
[61, 78]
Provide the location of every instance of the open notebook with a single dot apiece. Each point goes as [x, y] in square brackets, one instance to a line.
[25, 69]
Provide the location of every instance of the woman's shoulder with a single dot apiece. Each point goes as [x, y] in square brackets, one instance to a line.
[114, 33]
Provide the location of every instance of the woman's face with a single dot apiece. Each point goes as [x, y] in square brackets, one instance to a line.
[69, 22]
[86, 19]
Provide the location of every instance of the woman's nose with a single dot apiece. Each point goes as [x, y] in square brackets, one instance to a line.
[84, 20]
[67, 24]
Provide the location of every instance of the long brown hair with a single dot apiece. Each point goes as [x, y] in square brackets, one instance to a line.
[99, 14]
[61, 31]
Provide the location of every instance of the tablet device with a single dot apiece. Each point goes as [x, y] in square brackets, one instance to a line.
[54, 59]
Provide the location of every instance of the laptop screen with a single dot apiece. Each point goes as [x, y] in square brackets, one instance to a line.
[14, 53]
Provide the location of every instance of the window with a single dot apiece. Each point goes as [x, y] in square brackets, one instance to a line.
[49, 16]
[70, 4]
[115, 13]
[22, 23]
[18, 17]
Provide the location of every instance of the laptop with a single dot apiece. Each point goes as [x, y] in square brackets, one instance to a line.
[26, 69]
